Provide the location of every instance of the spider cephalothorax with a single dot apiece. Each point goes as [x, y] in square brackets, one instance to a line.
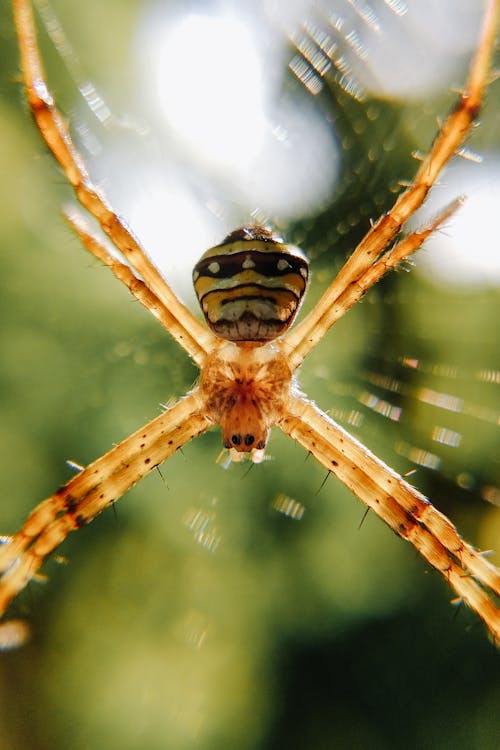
[246, 390]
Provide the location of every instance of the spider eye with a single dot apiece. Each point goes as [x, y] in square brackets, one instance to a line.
[251, 286]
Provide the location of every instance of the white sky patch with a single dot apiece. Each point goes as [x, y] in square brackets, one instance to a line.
[466, 251]
[210, 84]
[219, 89]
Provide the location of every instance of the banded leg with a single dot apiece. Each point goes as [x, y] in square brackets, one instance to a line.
[136, 287]
[402, 507]
[353, 292]
[450, 137]
[194, 337]
[92, 490]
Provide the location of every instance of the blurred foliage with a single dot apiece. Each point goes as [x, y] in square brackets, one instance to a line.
[197, 616]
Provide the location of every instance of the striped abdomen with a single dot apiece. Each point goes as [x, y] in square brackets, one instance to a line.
[251, 285]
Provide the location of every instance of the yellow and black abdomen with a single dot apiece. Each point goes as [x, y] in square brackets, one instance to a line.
[251, 285]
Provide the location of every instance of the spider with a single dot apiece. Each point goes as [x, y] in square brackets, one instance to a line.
[250, 288]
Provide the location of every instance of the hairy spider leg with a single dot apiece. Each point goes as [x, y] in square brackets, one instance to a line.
[400, 505]
[95, 488]
[194, 337]
[449, 138]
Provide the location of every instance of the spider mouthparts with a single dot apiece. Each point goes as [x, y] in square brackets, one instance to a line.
[252, 440]
[256, 456]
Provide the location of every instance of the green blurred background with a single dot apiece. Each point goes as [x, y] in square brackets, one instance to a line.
[198, 615]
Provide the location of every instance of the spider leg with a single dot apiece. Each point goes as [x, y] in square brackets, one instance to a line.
[95, 488]
[451, 135]
[196, 339]
[123, 273]
[402, 507]
[358, 287]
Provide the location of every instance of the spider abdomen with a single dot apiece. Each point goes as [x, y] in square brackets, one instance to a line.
[250, 287]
